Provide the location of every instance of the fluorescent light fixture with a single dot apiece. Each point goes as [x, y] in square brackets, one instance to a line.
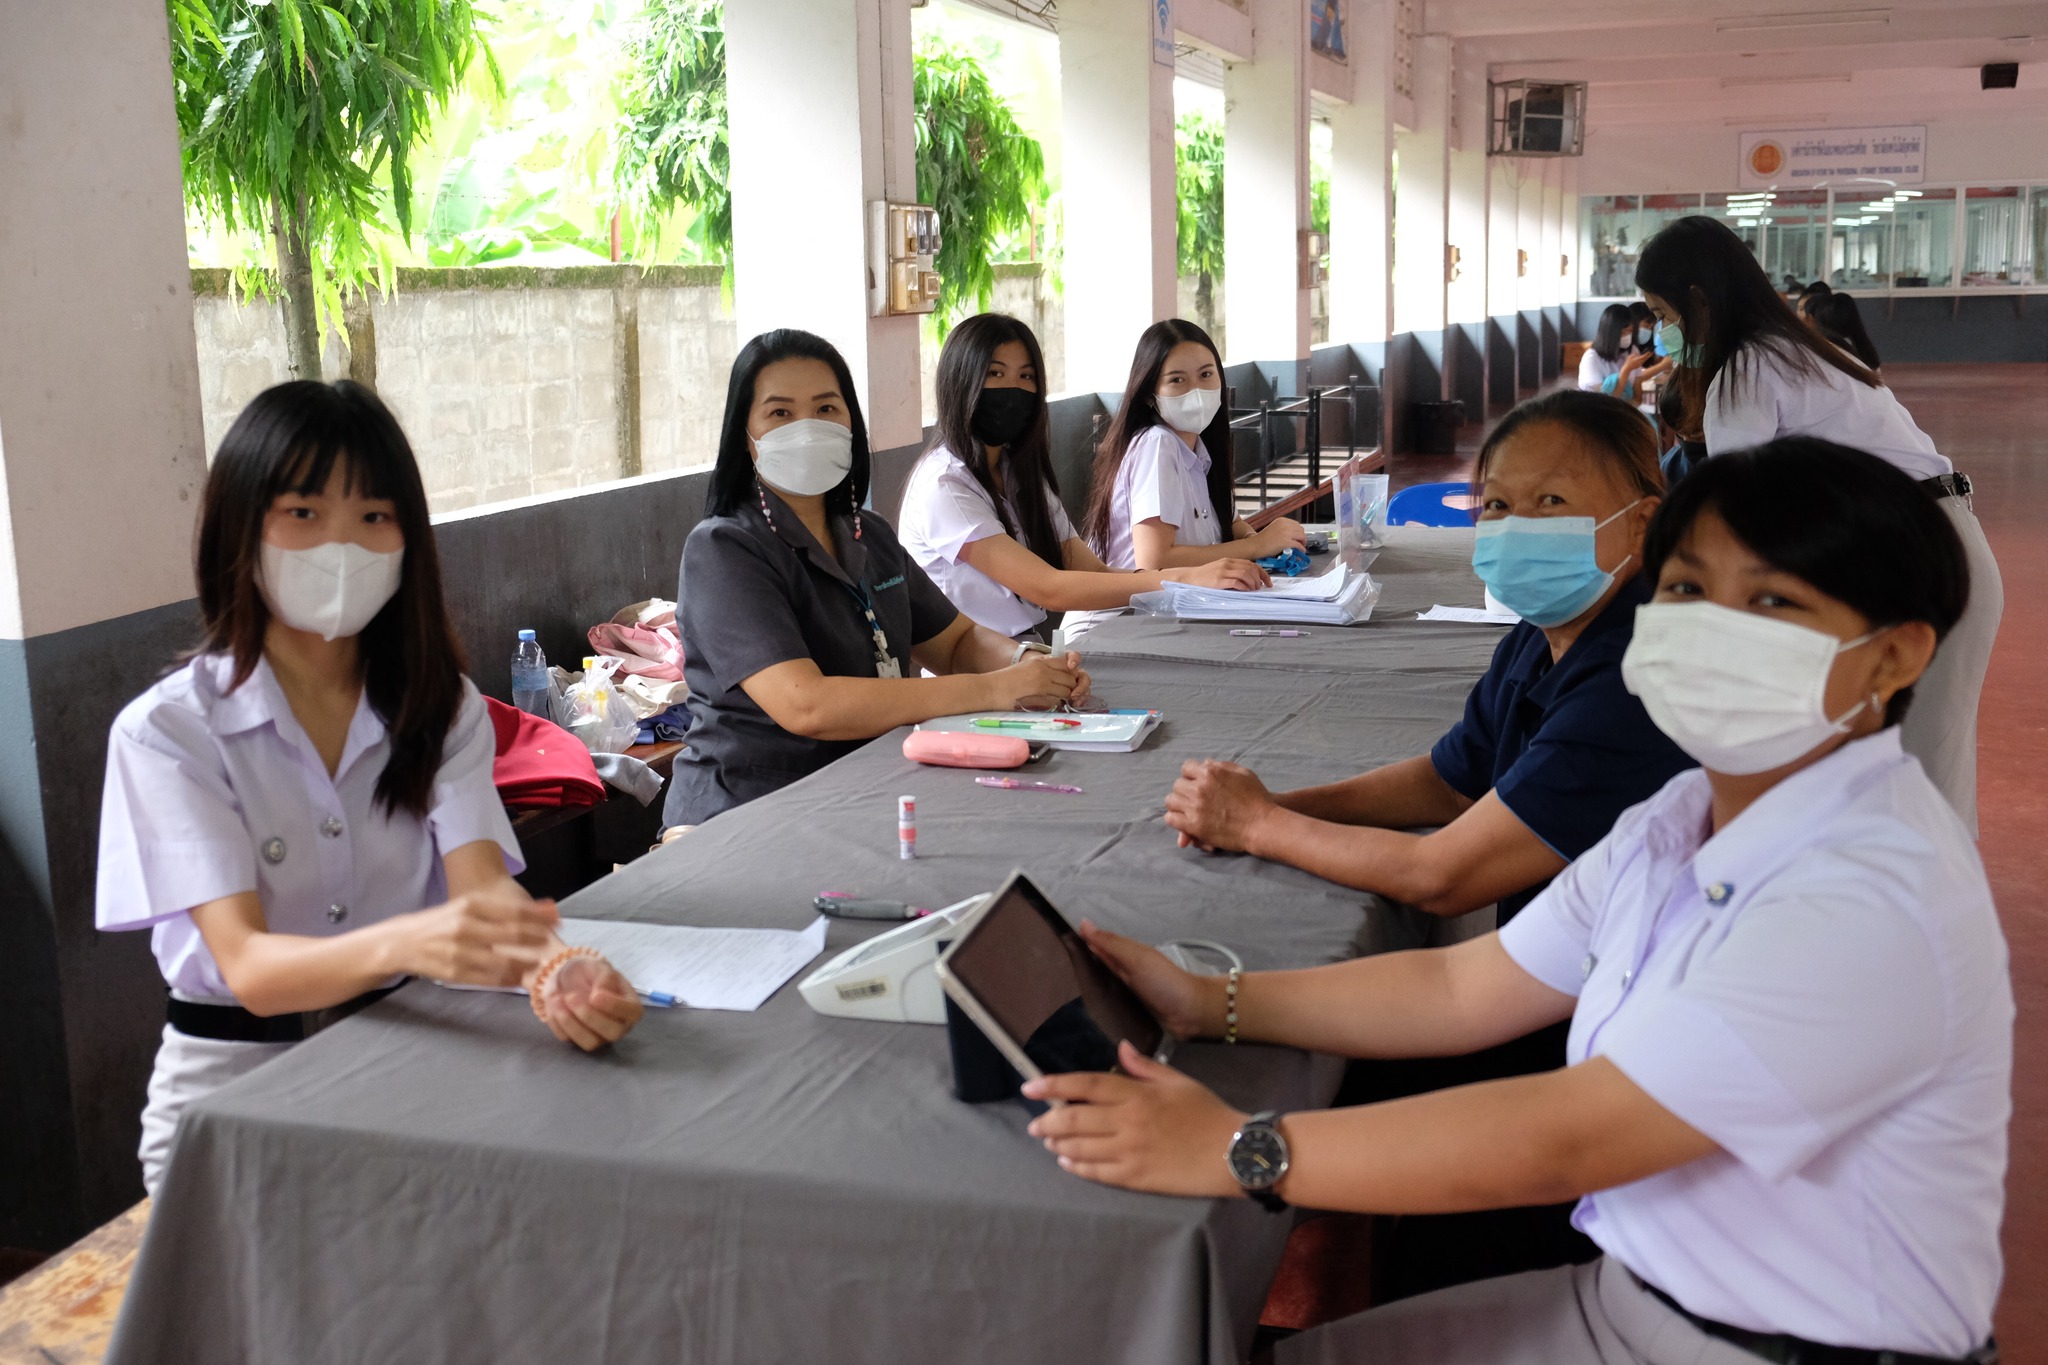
[1737, 82]
[1826, 18]
[1906, 194]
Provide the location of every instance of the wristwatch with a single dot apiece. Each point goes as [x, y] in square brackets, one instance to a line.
[1258, 1159]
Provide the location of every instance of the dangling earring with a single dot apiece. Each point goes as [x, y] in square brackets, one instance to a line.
[762, 493]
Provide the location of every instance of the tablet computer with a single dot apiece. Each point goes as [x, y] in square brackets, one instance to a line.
[1035, 987]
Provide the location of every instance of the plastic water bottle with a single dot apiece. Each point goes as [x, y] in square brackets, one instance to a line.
[530, 676]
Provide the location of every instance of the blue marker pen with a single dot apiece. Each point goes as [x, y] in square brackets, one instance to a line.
[660, 999]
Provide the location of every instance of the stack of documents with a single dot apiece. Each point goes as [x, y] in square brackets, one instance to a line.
[1110, 732]
[1335, 597]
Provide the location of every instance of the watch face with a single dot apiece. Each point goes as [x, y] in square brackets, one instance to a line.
[1259, 1157]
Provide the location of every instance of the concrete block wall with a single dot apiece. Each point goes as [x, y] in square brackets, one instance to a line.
[688, 339]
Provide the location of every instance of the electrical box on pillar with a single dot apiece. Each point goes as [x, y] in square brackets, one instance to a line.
[1315, 250]
[1454, 264]
[903, 245]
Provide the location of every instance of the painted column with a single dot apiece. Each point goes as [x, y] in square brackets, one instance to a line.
[1265, 192]
[1466, 229]
[101, 469]
[821, 122]
[1503, 320]
[1361, 185]
[1116, 95]
[1419, 213]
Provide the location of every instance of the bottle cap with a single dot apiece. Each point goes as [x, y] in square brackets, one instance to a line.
[526, 635]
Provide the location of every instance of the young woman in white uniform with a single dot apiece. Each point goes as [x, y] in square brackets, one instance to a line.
[303, 813]
[1756, 372]
[1791, 1018]
[1162, 473]
[982, 513]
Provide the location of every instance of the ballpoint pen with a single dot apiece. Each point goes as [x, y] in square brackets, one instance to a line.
[659, 999]
[1283, 634]
[1018, 784]
[996, 723]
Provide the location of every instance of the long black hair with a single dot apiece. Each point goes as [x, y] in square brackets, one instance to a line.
[1855, 527]
[732, 479]
[1730, 309]
[1027, 480]
[289, 440]
[1841, 321]
[1612, 431]
[1139, 410]
[1616, 325]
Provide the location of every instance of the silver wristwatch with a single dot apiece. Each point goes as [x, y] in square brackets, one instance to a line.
[1258, 1159]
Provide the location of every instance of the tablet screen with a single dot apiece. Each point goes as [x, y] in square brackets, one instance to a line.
[1046, 988]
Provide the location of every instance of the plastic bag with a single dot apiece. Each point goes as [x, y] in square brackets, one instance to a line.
[1361, 513]
[592, 709]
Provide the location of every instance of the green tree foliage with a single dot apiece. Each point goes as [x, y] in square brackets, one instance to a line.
[291, 110]
[1198, 184]
[982, 172]
[671, 140]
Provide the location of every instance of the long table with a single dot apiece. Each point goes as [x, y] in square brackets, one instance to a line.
[438, 1179]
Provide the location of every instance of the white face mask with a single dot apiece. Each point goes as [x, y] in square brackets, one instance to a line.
[1190, 411]
[805, 457]
[331, 590]
[1741, 693]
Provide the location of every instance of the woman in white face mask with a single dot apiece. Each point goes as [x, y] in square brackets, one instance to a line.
[1163, 497]
[805, 624]
[303, 813]
[1789, 1072]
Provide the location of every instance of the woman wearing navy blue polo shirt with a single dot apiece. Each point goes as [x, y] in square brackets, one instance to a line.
[1551, 750]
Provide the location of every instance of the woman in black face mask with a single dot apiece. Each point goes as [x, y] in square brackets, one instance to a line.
[982, 514]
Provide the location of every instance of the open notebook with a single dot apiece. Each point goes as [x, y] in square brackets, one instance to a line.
[1113, 732]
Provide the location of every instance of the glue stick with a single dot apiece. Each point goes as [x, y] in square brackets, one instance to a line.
[906, 827]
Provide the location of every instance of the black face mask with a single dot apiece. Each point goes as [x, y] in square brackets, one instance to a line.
[1002, 415]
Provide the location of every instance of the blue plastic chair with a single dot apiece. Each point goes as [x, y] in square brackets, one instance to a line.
[1424, 504]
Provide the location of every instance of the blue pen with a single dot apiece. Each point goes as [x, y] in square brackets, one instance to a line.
[661, 999]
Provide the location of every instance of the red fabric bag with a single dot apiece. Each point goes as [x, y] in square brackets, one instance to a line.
[539, 763]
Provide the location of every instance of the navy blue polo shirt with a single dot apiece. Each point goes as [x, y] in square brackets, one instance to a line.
[1564, 745]
[755, 594]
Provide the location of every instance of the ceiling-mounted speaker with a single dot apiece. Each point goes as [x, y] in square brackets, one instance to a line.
[1999, 75]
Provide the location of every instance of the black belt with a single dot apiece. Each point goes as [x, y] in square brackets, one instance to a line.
[233, 1024]
[1785, 1349]
[1947, 486]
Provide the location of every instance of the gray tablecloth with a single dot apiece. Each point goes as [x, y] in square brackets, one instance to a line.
[1421, 567]
[437, 1180]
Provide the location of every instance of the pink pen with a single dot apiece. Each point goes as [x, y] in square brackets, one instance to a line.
[1283, 634]
[1018, 784]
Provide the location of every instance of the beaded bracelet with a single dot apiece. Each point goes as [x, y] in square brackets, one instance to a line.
[538, 990]
[1230, 1005]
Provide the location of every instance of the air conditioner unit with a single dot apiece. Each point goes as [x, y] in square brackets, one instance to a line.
[1537, 118]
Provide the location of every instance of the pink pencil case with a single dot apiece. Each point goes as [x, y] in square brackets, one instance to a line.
[952, 749]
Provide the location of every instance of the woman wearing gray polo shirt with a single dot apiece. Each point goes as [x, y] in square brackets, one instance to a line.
[1790, 1062]
[804, 623]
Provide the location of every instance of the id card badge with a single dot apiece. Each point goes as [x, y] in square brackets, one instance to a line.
[888, 668]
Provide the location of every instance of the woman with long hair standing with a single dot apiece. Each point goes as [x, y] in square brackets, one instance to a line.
[982, 513]
[303, 812]
[1163, 470]
[1756, 373]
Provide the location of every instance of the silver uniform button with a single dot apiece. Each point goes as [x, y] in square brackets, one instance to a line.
[273, 851]
[331, 827]
[336, 913]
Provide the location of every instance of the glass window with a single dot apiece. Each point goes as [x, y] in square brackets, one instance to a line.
[1994, 240]
[1861, 256]
[1659, 210]
[1796, 235]
[1746, 213]
[1608, 244]
[2035, 260]
[1923, 238]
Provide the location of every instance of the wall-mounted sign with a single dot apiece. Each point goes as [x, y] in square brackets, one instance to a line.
[1162, 32]
[1819, 156]
[1326, 27]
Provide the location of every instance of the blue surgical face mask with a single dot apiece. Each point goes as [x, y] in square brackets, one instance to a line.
[1671, 341]
[1544, 569]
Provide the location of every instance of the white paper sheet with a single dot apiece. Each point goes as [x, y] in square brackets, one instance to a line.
[707, 969]
[1479, 615]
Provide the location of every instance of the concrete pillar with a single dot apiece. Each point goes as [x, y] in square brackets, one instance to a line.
[1265, 191]
[1550, 258]
[1465, 228]
[1568, 239]
[1503, 321]
[1361, 186]
[101, 469]
[1120, 269]
[1419, 211]
[821, 122]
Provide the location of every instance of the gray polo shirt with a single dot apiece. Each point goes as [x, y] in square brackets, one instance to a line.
[754, 595]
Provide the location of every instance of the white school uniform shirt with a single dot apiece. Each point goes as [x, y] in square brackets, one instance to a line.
[1774, 400]
[1593, 371]
[1821, 988]
[212, 792]
[944, 511]
[1161, 477]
